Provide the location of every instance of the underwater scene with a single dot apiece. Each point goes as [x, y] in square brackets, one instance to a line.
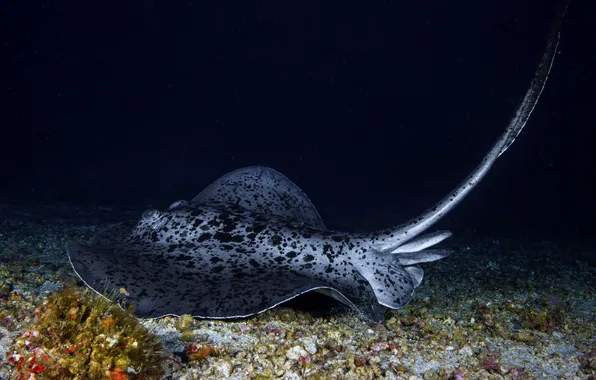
[511, 308]
[266, 190]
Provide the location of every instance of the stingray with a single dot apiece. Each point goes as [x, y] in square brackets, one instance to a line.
[253, 240]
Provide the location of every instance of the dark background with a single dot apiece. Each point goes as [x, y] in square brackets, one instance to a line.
[376, 109]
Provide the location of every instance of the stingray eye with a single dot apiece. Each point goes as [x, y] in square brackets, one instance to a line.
[153, 219]
[150, 215]
[177, 204]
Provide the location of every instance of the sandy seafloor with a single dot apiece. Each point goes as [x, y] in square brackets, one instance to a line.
[497, 308]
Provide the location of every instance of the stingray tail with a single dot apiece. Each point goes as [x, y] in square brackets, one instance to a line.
[391, 239]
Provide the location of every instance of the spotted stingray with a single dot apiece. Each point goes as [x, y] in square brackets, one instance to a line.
[253, 240]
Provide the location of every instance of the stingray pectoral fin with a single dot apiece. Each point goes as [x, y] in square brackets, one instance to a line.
[355, 291]
[159, 282]
[241, 293]
[85, 265]
[122, 269]
[416, 273]
[425, 256]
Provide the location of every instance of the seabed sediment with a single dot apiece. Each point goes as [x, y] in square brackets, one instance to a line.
[496, 309]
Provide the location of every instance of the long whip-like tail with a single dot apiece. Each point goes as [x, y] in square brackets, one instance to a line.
[392, 238]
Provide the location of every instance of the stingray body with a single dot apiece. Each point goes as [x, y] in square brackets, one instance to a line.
[247, 243]
[252, 240]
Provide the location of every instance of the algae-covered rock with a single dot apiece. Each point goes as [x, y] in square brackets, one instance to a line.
[79, 335]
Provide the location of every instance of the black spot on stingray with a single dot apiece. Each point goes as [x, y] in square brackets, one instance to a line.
[243, 250]
[228, 238]
[309, 258]
[195, 213]
[276, 240]
[204, 227]
[182, 258]
[279, 259]
[197, 223]
[329, 269]
[204, 236]
[229, 224]
[217, 269]
[292, 254]
[214, 222]
[328, 251]
[254, 263]
[256, 228]
[215, 260]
